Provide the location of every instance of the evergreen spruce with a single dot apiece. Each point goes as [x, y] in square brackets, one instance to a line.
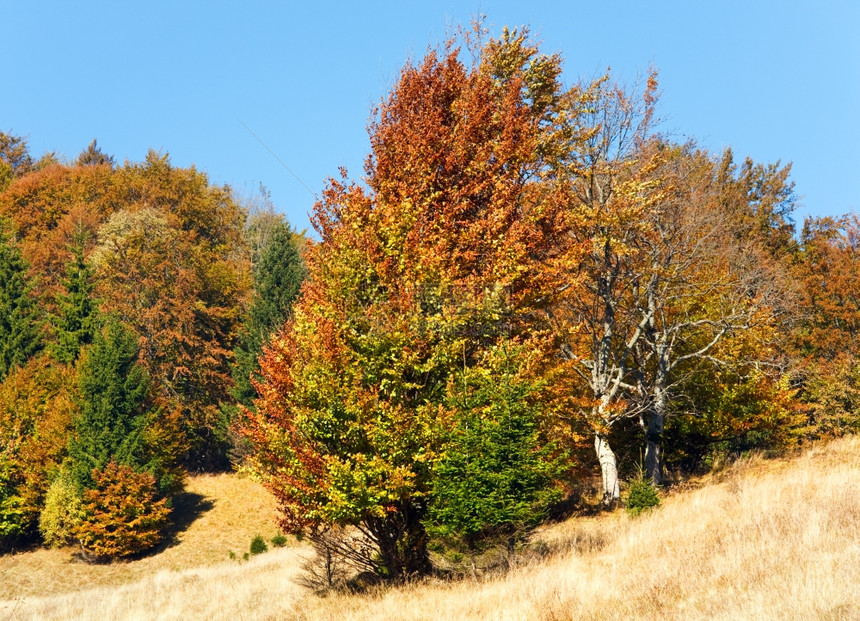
[643, 495]
[94, 156]
[497, 478]
[76, 323]
[278, 276]
[20, 328]
[114, 392]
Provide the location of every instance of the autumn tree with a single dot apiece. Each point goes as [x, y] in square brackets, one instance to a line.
[122, 514]
[37, 405]
[672, 253]
[414, 277]
[829, 267]
[606, 184]
[759, 199]
[825, 340]
[697, 286]
[719, 302]
[49, 207]
[175, 272]
[15, 158]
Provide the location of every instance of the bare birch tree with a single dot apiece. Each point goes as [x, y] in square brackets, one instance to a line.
[702, 281]
[606, 181]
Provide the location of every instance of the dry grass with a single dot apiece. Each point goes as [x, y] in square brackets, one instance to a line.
[217, 514]
[764, 540]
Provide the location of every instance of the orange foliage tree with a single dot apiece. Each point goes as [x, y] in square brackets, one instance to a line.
[49, 207]
[660, 270]
[606, 184]
[415, 277]
[826, 338]
[709, 297]
[121, 514]
[182, 290]
[171, 265]
[15, 158]
[36, 412]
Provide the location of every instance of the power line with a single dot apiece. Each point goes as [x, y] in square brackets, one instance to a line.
[275, 155]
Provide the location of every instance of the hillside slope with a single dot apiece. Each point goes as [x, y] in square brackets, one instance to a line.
[216, 515]
[761, 540]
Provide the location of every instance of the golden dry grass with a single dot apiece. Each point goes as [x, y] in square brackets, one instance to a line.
[763, 540]
[217, 514]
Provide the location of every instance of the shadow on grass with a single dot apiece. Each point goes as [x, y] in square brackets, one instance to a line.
[188, 507]
[20, 546]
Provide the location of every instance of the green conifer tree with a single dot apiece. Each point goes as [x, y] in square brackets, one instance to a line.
[278, 276]
[76, 323]
[114, 401]
[497, 478]
[94, 156]
[20, 328]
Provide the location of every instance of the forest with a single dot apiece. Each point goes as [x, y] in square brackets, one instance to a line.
[531, 297]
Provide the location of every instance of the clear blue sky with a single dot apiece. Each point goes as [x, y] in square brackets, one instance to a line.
[774, 80]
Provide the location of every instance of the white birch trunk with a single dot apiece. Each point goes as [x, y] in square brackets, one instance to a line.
[653, 451]
[654, 437]
[608, 470]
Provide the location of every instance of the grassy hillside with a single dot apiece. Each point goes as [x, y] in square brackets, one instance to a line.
[761, 540]
[216, 515]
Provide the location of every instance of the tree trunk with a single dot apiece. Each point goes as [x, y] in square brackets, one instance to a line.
[654, 433]
[608, 469]
[402, 543]
[653, 450]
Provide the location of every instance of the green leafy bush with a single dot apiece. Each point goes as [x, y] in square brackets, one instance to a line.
[258, 545]
[279, 540]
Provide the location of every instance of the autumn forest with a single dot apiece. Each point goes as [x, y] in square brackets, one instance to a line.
[532, 298]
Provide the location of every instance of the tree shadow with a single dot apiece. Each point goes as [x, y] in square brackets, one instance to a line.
[188, 507]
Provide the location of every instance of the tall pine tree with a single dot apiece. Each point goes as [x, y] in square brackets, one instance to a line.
[114, 401]
[278, 276]
[20, 328]
[94, 156]
[76, 322]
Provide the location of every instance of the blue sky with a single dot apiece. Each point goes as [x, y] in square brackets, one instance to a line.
[773, 80]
